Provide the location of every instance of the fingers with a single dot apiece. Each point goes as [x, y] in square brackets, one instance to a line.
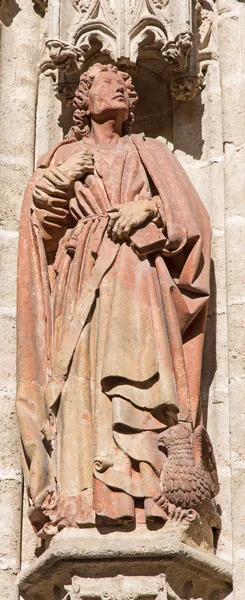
[87, 169]
[122, 227]
[56, 177]
[78, 165]
[114, 214]
[48, 188]
[160, 499]
[40, 198]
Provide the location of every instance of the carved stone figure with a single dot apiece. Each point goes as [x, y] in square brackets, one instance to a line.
[189, 479]
[113, 288]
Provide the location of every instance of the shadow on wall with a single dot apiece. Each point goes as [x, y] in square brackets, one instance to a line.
[154, 109]
[209, 353]
[187, 127]
[8, 11]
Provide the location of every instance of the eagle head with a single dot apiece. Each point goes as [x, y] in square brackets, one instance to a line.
[173, 437]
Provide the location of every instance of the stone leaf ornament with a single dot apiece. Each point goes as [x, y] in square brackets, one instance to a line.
[186, 88]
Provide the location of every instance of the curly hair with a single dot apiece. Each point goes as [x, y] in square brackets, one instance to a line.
[81, 117]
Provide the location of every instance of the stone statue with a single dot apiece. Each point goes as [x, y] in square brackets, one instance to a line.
[113, 284]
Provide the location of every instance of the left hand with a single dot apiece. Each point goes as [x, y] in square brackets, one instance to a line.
[125, 217]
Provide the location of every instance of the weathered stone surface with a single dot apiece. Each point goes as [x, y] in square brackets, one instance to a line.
[8, 346]
[10, 462]
[201, 130]
[9, 588]
[206, 574]
[146, 390]
[8, 264]
[10, 515]
[10, 523]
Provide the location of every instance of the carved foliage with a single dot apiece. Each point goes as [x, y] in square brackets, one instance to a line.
[187, 87]
[146, 36]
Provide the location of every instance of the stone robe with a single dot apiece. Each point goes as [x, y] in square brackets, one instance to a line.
[110, 342]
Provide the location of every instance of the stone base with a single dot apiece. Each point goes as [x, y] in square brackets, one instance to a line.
[141, 564]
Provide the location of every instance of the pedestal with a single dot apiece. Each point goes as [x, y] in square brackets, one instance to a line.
[126, 565]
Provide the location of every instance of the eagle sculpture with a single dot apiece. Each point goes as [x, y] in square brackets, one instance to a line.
[188, 479]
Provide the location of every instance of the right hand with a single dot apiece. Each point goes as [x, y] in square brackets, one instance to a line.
[56, 181]
[78, 165]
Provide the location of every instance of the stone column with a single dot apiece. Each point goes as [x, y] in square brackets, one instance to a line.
[232, 67]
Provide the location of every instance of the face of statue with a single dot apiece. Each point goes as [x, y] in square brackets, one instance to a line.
[108, 94]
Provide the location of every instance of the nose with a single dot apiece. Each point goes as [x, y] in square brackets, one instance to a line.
[120, 89]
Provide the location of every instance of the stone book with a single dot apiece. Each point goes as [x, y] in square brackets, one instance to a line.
[148, 238]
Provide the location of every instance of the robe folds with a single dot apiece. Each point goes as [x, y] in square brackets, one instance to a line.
[109, 341]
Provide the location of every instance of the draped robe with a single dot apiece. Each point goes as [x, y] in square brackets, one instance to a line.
[109, 342]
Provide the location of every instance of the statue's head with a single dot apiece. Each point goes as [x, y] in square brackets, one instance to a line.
[102, 91]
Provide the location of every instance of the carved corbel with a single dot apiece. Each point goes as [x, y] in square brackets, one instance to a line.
[64, 65]
[64, 56]
[65, 61]
[187, 87]
[176, 53]
[204, 49]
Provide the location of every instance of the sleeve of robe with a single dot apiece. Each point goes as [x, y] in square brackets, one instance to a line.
[186, 256]
[34, 349]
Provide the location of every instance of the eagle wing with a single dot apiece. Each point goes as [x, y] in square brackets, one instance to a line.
[204, 457]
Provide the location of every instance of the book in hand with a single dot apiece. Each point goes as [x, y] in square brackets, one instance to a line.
[148, 238]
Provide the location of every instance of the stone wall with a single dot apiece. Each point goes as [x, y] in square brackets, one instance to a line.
[208, 136]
